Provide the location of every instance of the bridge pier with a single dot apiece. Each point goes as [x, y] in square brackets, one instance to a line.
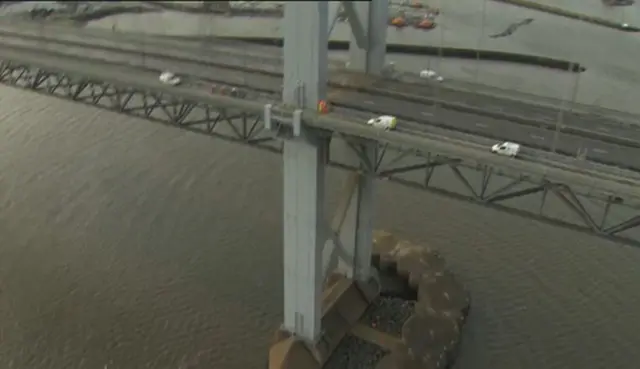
[304, 235]
[305, 26]
[368, 43]
[319, 305]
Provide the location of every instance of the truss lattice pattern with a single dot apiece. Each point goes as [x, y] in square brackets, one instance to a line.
[557, 203]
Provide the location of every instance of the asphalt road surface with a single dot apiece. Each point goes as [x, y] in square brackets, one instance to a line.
[225, 51]
[534, 137]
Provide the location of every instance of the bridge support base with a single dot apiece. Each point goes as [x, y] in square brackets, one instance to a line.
[316, 321]
[344, 301]
[328, 284]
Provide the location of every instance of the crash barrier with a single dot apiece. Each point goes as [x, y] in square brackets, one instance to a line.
[449, 52]
[154, 7]
[84, 16]
[222, 8]
[569, 14]
[108, 12]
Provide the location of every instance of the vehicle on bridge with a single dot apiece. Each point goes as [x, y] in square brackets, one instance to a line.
[506, 148]
[386, 122]
[227, 90]
[426, 23]
[431, 74]
[168, 78]
[398, 21]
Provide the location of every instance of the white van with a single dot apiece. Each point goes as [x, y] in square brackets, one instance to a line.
[168, 78]
[506, 148]
[386, 122]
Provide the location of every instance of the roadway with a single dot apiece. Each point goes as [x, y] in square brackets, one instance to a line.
[228, 53]
[574, 173]
[450, 122]
[453, 120]
[610, 79]
[224, 52]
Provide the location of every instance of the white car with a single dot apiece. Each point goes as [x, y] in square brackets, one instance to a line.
[431, 74]
[428, 73]
[506, 148]
[169, 78]
[386, 122]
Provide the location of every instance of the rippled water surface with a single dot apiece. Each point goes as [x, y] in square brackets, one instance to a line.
[125, 244]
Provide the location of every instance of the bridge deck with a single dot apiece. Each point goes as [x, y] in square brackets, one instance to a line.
[606, 141]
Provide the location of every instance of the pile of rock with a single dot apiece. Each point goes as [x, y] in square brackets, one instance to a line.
[431, 336]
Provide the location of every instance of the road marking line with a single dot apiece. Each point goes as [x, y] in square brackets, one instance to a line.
[481, 125]
[426, 113]
[536, 137]
[600, 151]
[544, 117]
[603, 129]
[368, 102]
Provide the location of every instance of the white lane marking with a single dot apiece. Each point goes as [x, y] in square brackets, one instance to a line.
[481, 125]
[368, 102]
[603, 129]
[536, 137]
[427, 113]
[600, 151]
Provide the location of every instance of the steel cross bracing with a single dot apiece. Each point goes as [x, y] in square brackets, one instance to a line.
[219, 122]
[575, 207]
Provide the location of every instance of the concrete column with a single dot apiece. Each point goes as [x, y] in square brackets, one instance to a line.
[304, 235]
[356, 233]
[305, 28]
[367, 47]
[305, 81]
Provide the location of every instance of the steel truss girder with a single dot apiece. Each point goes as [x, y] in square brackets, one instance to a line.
[604, 215]
[228, 124]
[334, 251]
[496, 188]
